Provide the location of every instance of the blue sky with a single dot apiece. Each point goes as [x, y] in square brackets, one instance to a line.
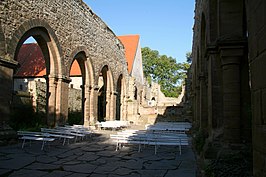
[163, 25]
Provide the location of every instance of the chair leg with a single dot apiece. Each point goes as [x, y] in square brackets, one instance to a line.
[43, 144]
[23, 143]
[64, 141]
[117, 144]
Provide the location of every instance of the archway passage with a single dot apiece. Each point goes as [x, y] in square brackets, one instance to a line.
[119, 98]
[76, 92]
[29, 102]
[47, 70]
[102, 95]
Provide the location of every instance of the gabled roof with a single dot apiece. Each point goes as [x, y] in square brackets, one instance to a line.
[130, 43]
[32, 63]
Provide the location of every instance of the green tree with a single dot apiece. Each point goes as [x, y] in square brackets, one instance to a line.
[164, 70]
[189, 57]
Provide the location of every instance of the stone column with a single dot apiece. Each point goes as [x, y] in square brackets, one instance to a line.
[108, 105]
[203, 101]
[210, 92]
[93, 104]
[230, 61]
[62, 100]
[87, 93]
[113, 106]
[197, 104]
[214, 90]
[51, 100]
[123, 109]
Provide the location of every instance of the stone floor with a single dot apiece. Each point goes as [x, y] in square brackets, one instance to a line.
[95, 157]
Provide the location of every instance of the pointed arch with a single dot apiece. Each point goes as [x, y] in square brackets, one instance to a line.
[105, 94]
[87, 79]
[47, 40]
[48, 43]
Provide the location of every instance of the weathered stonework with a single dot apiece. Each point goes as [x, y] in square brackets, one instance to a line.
[64, 30]
[228, 71]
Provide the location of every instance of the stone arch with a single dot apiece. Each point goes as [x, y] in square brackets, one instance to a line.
[47, 40]
[55, 75]
[87, 72]
[105, 94]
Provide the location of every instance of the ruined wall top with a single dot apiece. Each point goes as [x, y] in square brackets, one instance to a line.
[72, 24]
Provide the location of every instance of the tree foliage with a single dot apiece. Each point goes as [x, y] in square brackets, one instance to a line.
[164, 70]
[189, 57]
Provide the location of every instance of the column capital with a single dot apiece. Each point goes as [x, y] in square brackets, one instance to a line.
[235, 51]
[231, 55]
[95, 87]
[114, 93]
[212, 49]
[64, 78]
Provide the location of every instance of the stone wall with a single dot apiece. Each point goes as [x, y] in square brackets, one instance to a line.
[64, 30]
[137, 69]
[227, 78]
[257, 61]
[73, 23]
[75, 100]
[40, 98]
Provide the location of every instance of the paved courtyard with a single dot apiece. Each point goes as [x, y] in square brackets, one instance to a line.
[95, 157]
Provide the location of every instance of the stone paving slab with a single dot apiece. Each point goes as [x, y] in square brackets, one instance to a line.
[28, 173]
[96, 158]
[58, 174]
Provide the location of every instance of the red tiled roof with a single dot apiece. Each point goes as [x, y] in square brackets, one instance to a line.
[75, 69]
[130, 43]
[32, 63]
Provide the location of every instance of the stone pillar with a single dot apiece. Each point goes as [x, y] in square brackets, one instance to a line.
[87, 93]
[123, 110]
[230, 61]
[113, 106]
[108, 105]
[62, 101]
[51, 100]
[203, 101]
[94, 104]
[197, 105]
[210, 93]
[215, 98]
